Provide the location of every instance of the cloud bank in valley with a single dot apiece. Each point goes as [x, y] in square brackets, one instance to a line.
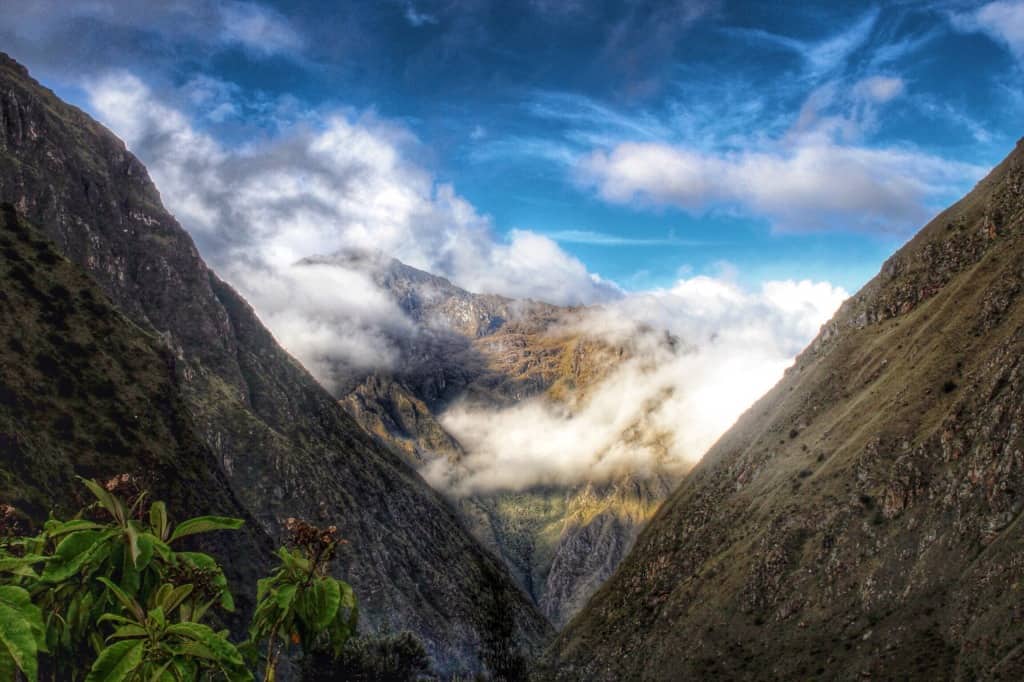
[345, 181]
[665, 405]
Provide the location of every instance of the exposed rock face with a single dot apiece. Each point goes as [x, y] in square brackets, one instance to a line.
[282, 443]
[391, 412]
[559, 542]
[863, 518]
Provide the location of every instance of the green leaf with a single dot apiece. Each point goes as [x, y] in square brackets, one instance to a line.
[117, 661]
[18, 564]
[157, 616]
[348, 596]
[157, 599]
[74, 551]
[115, 618]
[106, 500]
[130, 631]
[129, 604]
[162, 673]
[200, 611]
[18, 640]
[204, 524]
[284, 596]
[55, 530]
[200, 560]
[133, 543]
[319, 604]
[223, 651]
[8, 670]
[18, 598]
[184, 669]
[15, 596]
[175, 597]
[158, 519]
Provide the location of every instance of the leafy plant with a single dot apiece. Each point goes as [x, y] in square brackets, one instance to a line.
[21, 633]
[110, 554]
[300, 604]
[106, 597]
[149, 645]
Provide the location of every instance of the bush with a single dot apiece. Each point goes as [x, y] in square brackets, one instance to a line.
[397, 657]
[105, 596]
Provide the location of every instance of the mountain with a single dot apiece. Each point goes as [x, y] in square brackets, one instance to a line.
[85, 391]
[492, 353]
[178, 382]
[863, 519]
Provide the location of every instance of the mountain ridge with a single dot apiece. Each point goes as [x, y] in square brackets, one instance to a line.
[488, 352]
[284, 445]
[866, 511]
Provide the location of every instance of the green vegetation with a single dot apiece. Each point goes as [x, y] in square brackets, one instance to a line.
[107, 596]
[299, 603]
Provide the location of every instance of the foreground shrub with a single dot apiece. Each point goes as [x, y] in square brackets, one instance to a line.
[397, 657]
[106, 597]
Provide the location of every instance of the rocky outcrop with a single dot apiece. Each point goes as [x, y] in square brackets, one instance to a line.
[281, 442]
[391, 412]
[862, 520]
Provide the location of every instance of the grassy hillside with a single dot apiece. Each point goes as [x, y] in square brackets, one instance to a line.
[863, 518]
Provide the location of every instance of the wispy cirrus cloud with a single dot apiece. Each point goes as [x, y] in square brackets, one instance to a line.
[822, 57]
[69, 27]
[800, 157]
[1002, 20]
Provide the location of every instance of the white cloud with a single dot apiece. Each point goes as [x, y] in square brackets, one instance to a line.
[340, 182]
[665, 405]
[880, 89]
[260, 29]
[815, 184]
[1003, 21]
[417, 18]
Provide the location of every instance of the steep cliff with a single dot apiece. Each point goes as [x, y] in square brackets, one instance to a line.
[862, 520]
[281, 442]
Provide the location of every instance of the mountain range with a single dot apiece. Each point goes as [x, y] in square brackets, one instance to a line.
[124, 353]
[489, 353]
[862, 520]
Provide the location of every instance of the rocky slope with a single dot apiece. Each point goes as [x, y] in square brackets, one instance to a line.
[863, 519]
[560, 542]
[84, 391]
[282, 444]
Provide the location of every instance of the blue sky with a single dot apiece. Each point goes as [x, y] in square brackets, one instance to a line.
[651, 141]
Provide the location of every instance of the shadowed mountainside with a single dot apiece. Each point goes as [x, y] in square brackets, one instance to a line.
[280, 442]
[863, 519]
[489, 352]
